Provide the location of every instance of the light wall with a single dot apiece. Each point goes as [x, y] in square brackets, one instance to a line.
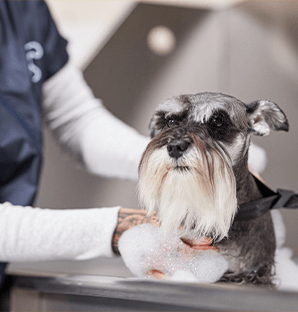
[89, 24]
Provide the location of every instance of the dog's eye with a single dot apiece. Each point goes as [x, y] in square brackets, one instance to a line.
[171, 122]
[216, 121]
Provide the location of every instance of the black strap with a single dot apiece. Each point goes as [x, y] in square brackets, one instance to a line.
[271, 200]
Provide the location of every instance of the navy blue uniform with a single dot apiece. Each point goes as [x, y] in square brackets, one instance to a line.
[31, 51]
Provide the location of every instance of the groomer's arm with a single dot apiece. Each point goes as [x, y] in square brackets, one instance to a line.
[83, 126]
[127, 218]
[35, 234]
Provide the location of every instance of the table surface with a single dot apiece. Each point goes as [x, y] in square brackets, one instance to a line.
[212, 297]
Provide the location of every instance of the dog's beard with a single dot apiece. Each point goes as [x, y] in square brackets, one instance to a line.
[196, 193]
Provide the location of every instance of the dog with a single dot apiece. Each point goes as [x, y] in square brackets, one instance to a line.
[194, 173]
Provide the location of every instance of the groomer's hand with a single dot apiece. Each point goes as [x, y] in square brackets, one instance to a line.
[129, 217]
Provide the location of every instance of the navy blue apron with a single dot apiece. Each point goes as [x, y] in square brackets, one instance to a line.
[31, 51]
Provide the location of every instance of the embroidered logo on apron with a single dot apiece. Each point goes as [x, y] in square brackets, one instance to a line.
[35, 52]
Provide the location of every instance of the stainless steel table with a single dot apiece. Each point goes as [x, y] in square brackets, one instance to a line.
[104, 293]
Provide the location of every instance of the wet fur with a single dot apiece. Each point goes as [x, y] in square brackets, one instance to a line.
[250, 245]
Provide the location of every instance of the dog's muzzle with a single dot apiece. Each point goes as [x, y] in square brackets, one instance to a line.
[202, 198]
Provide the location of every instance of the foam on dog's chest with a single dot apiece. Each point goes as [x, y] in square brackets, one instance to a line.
[148, 253]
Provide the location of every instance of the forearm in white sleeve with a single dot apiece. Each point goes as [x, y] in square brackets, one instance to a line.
[34, 234]
[105, 144]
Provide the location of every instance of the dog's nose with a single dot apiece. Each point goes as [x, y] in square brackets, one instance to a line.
[177, 147]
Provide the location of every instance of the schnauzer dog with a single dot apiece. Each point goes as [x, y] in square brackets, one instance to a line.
[194, 173]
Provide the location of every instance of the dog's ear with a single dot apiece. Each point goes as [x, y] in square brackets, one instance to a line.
[264, 115]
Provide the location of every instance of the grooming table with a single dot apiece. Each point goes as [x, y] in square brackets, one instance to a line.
[57, 292]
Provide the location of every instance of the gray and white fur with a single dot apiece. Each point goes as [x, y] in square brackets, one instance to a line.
[194, 173]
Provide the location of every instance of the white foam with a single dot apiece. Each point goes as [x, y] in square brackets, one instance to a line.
[183, 276]
[145, 248]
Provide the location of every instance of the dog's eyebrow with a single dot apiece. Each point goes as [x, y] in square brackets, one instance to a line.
[162, 116]
[204, 111]
[177, 116]
[169, 106]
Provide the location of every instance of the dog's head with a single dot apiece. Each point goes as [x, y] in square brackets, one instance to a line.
[187, 170]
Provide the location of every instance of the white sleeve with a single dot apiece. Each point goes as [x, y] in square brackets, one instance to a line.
[34, 234]
[257, 158]
[105, 144]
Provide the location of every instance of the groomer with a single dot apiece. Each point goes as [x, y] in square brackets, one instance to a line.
[38, 83]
